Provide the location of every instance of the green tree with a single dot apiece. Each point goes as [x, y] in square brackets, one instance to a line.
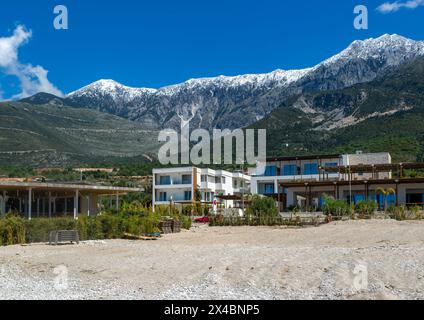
[385, 193]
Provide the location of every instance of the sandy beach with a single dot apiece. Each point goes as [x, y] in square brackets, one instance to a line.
[368, 259]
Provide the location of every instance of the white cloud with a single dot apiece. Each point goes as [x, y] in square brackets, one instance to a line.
[32, 79]
[389, 7]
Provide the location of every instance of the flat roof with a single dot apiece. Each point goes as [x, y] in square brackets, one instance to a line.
[368, 168]
[310, 157]
[56, 186]
[327, 183]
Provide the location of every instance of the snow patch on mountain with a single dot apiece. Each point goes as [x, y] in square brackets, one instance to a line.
[237, 101]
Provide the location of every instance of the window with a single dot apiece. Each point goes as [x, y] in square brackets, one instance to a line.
[270, 171]
[165, 180]
[162, 196]
[269, 188]
[289, 170]
[223, 180]
[187, 195]
[331, 165]
[217, 179]
[311, 168]
[186, 179]
[203, 178]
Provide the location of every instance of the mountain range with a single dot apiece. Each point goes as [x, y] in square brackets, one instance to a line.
[386, 114]
[235, 102]
[309, 110]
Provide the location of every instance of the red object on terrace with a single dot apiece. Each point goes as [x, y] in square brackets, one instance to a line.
[202, 220]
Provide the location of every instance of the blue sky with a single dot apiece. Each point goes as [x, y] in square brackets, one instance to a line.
[157, 43]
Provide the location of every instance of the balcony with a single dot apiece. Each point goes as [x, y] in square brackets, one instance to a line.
[173, 182]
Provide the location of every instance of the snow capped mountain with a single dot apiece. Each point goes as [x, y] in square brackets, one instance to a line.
[234, 102]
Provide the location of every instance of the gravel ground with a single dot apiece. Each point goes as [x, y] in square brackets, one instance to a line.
[372, 259]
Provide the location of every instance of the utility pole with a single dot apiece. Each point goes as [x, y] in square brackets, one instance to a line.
[350, 188]
[242, 186]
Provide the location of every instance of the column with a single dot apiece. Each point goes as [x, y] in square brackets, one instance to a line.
[29, 204]
[117, 202]
[54, 205]
[88, 204]
[3, 208]
[397, 193]
[76, 204]
[50, 204]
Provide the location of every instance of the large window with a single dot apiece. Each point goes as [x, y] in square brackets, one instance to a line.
[310, 168]
[270, 171]
[162, 196]
[269, 188]
[331, 165]
[186, 179]
[289, 170]
[165, 180]
[187, 195]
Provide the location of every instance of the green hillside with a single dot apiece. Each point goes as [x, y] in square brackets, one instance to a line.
[52, 135]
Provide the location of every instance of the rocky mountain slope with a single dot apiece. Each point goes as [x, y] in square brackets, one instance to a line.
[234, 102]
[386, 114]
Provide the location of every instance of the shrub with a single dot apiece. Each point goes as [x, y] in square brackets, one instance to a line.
[133, 219]
[416, 212]
[336, 207]
[400, 213]
[366, 208]
[38, 229]
[186, 222]
[262, 206]
[12, 230]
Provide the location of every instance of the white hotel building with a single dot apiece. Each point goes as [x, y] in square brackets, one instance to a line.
[304, 181]
[180, 185]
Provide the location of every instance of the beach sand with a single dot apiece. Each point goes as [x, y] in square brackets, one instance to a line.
[367, 259]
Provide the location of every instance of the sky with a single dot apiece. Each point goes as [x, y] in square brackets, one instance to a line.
[162, 42]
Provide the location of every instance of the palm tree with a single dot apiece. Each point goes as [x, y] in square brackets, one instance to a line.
[385, 193]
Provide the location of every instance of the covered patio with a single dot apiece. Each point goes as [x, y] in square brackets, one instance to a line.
[408, 191]
[39, 199]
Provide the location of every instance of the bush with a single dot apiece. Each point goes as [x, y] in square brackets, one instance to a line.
[262, 206]
[366, 208]
[186, 222]
[336, 207]
[12, 230]
[135, 220]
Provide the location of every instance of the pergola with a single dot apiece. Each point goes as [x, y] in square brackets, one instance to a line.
[44, 198]
[375, 168]
[366, 183]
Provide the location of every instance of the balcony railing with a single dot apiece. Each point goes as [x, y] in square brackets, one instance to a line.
[174, 182]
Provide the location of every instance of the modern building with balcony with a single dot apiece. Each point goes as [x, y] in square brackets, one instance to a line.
[180, 185]
[304, 181]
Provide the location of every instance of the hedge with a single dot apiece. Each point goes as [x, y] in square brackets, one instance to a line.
[15, 229]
